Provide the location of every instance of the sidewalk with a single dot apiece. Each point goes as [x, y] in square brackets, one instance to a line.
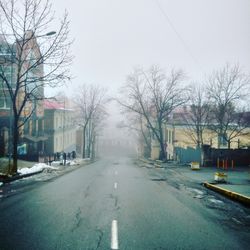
[237, 186]
[27, 169]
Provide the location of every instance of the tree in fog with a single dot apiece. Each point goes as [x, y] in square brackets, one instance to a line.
[153, 95]
[197, 115]
[136, 125]
[97, 124]
[37, 57]
[90, 101]
[227, 91]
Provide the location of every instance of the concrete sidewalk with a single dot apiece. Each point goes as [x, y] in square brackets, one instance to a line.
[236, 187]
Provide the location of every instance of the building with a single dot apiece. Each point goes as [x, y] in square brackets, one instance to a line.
[168, 137]
[5, 102]
[31, 133]
[186, 143]
[59, 128]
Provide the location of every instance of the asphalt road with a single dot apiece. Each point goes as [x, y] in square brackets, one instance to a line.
[111, 204]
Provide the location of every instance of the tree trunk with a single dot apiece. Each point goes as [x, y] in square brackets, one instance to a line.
[93, 148]
[89, 142]
[15, 144]
[162, 155]
[83, 142]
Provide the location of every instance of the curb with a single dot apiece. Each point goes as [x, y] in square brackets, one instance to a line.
[18, 177]
[232, 195]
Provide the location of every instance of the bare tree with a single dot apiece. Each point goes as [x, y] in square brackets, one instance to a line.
[154, 95]
[90, 101]
[35, 61]
[196, 116]
[227, 91]
[97, 124]
[136, 124]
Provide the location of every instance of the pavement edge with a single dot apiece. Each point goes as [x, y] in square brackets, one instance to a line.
[232, 195]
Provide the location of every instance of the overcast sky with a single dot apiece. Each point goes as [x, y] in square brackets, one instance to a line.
[114, 36]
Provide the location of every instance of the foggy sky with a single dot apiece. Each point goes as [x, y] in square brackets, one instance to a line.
[114, 36]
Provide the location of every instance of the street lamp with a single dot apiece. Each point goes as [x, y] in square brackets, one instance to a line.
[50, 33]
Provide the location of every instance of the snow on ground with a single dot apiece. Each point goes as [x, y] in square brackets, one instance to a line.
[215, 201]
[55, 165]
[36, 168]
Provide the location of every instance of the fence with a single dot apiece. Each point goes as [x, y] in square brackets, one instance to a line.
[187, 155]
[226, 157]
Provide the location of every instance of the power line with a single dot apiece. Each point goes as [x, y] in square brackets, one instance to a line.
[170, 23]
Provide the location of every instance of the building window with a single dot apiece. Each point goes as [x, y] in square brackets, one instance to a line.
[222, 139]
[166, 134]
[4, 103]
[169, 137]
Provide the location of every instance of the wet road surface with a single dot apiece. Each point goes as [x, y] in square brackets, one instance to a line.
[111, 204]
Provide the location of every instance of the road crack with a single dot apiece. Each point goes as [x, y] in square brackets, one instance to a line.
[77, 220]
[100, 236]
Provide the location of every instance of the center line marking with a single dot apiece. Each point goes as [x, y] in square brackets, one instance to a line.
[114, 235]
[115, 185]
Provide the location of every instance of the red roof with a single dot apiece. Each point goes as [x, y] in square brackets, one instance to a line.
[48, 104]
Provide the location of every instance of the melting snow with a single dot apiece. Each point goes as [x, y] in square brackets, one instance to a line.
[41, 166]
[36, 168]
[196, 191]
[216, 201]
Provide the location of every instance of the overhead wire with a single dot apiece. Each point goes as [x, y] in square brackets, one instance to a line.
[170, 23]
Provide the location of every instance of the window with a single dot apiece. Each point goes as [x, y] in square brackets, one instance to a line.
[4, 104]
[222, 140]
[166, 134]
[170, 136]
[4, 100]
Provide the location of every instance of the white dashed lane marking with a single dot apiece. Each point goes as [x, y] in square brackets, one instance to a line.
[114, 235]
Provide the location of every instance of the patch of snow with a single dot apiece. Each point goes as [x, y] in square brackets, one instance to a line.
[236, 221]
[55, 163]
[1, 184]
[199, 196]
[196, 191]
[36, 168]
[216, 201]
[73, 163]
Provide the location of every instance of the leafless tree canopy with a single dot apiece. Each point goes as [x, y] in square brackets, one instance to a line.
[197, 115]
[36, 55]
[135, 124]
[154, 95]
[227, 91]
[25, 26]
[90, 101]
